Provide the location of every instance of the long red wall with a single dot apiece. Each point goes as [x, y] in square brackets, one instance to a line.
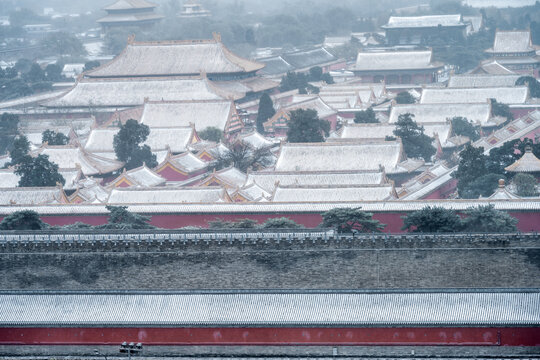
[464, 336]
[528, 221]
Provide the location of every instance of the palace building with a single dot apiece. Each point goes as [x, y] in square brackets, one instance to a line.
[130, 13]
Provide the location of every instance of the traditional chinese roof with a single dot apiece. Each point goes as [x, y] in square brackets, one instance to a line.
[119, 18]
[441, 130]
[186, 162]
[528, 163]
[436, 113]
[134, 91]
[202, 114]
[492, 67]
[427, 182]
[269, 308]
[247, 86]
[344, 156]
[512, 42]
[502, 193]
[332, 193]
[32, 195]
[311, 102]
[89, 190]
[8, 178]
[72, 177]
[395, 60]
[400, 22]
[177, 139]
[256, 140]
[72, 156]
[308, 58]
[167, 195]
[269, 179]
[505, 95]
[174, 58]
[275, 65]
[513, 130]
[482, 80]
[130, 4]
[139, 177]
[229, 177]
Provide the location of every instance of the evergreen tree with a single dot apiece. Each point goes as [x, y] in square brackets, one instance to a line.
[211, 134]
[20, 149]
[305, 126]
[526, 184]
[532, 83]
[266, 111]
[8, 131]
[38, 172]
[23, 220]
[472, 165]
[502, 110]
[487, 219]
[347, 220]
[127, 145]
[92, 64]
[484, 186]
[415, 143]
[462, 126]
[432, 220]
[404, 97]
[121, 218]
[53, 138]
[280, 223]
[365, 116]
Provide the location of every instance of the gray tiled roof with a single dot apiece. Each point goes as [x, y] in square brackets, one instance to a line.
[423, 21]
[267, 308]
[395, 60]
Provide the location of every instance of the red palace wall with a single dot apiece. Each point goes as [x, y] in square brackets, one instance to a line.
[464, 336]
[528, 221]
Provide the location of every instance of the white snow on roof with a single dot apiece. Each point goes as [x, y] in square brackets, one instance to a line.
[394, 60]
[505, 95]
[202, 114]
[166, 195]
[332, 193]
[423, 21]
[436, 113]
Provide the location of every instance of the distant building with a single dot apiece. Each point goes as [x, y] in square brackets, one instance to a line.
[192, 9]
[514, 50]
[130, 13]
[417, 30]
[397, 67]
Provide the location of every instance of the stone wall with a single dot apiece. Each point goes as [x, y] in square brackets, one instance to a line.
[281, 262]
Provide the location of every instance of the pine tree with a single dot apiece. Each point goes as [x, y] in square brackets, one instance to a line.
[266, 111]
[415, 143]
[305, 126]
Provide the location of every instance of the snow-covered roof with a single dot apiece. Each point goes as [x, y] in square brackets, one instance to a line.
[135, 91]
[505, 95]
[310, 102]
[270, 308]
[479, 113]
[400, 22]
[482, 80]
[166, 195]
[177, 139]
[174, 58]
[31, 195]
[186, 162]
[256, 140]
[268, 179]
[512, 42]
[528, 163]
[343, 156]
[427, 182]
[502, 193]
[492, 67]
[332, 193]
[229, 177]
[202, 114]
[140, 177]
[130, 4]
[71, 157]
[514, 130]
[395, 60]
